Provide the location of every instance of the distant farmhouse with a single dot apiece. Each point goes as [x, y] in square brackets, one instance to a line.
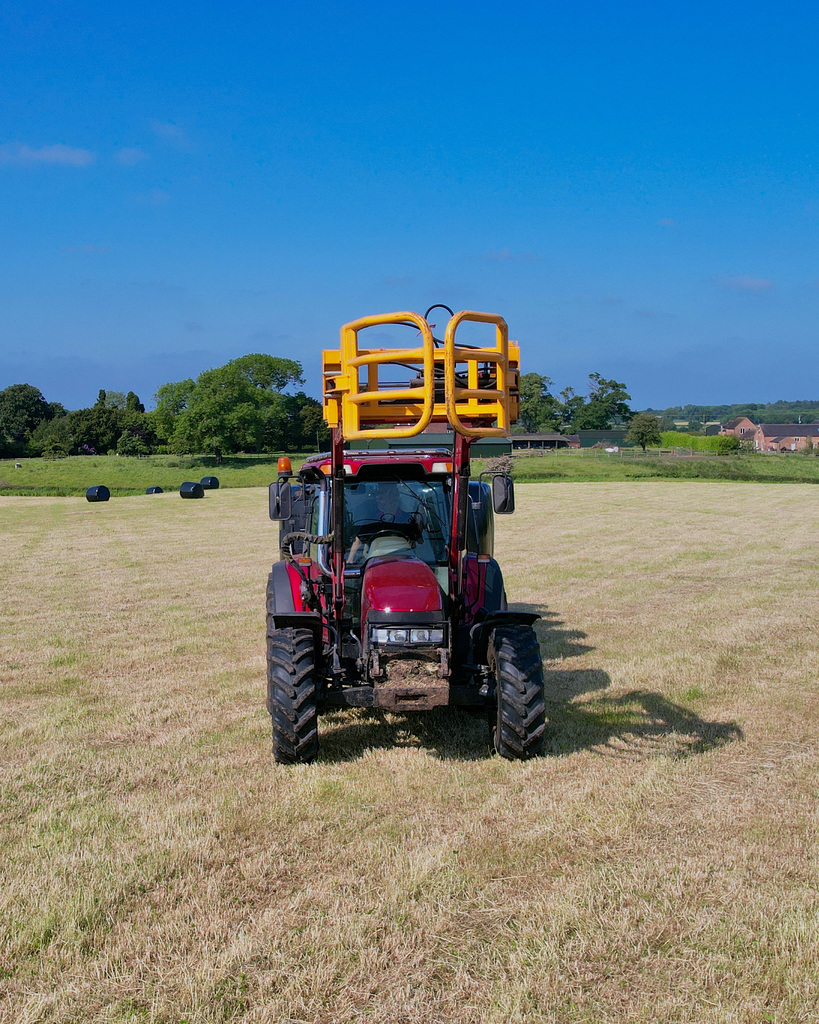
[740, 427]
[773, 437]
[786, 437]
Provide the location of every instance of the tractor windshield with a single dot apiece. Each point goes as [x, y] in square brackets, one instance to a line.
[396, 516]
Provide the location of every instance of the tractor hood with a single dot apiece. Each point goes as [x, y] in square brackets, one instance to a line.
[402, 584]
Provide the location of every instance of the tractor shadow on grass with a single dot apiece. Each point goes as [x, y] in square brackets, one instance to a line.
[628, 725]
[632, 725]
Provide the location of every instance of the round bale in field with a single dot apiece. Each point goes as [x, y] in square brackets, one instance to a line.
[98, 493]
[153, 490]
[210, 483]
[192, 490]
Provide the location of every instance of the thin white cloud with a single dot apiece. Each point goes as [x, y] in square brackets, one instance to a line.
[156, 197]
[169, 132]
[504, 254]
[26, 156]
[130, 155]
[744, 283]
[87, 250]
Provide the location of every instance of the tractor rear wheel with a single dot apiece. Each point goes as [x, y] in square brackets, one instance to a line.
[292, 695]
[520, 722]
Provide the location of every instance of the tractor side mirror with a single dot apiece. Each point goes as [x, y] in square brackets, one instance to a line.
[281, 506]
[503, 494]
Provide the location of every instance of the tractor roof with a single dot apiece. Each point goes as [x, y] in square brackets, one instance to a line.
[431, 460]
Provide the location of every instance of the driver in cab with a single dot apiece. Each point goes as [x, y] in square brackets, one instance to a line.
[373, 515]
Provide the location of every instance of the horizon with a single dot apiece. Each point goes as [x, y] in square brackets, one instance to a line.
[290, 388]
[91, 391]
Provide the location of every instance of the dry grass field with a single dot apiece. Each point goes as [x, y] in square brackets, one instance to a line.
[659, 864]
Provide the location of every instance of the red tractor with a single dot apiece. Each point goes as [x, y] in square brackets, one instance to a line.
[387, 595]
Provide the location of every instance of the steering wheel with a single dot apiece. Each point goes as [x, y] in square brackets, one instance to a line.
[367, 532]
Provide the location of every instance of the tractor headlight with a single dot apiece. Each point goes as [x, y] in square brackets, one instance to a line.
[421, 635]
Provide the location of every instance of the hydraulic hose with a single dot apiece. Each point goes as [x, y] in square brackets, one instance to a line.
[311, 538]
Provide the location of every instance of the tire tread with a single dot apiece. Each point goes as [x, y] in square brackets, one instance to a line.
[514, 654]
[292, 695]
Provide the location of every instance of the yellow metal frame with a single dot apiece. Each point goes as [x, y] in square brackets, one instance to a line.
[474, 402]
[474, 411]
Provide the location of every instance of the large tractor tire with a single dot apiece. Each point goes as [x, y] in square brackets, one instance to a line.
[292, 695]
[520, 724]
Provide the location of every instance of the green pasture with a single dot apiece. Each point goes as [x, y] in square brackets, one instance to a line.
[658, 865]
[601, 467]
[129, 476]
[71, 477]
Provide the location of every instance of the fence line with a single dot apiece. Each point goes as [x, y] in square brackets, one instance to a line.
[631, 453]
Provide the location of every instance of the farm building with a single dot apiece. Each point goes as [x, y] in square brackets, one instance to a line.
[740, 427]
[786, 437]
[613, 436]
[532, 442]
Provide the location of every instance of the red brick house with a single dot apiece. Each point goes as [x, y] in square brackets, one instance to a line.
[740, 427]
[786, 437]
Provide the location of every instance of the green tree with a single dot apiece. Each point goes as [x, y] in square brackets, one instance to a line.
[171, 400]
[539, 409]
[22, 408]
[51, 437]
[726, 443]
[137, 437]
[57, 444]
[605, 407]
[236, 407]
[313, 428]
[95, 430]
[572, 407]
[116, 400]
[267, 373]
[295, 424]
[133, 442]
[644, 429]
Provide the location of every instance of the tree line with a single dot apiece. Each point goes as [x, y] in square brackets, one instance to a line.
[251, 404]
[541, 410]
[758, 412]
[606, 405]
[247, 405]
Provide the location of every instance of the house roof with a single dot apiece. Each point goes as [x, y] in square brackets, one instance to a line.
[735, 422]
[789, 429]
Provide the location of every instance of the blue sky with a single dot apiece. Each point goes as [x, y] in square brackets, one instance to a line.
[633, 186]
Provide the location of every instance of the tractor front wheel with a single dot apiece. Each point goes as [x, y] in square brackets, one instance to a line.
[520, 723]
[292, 696]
